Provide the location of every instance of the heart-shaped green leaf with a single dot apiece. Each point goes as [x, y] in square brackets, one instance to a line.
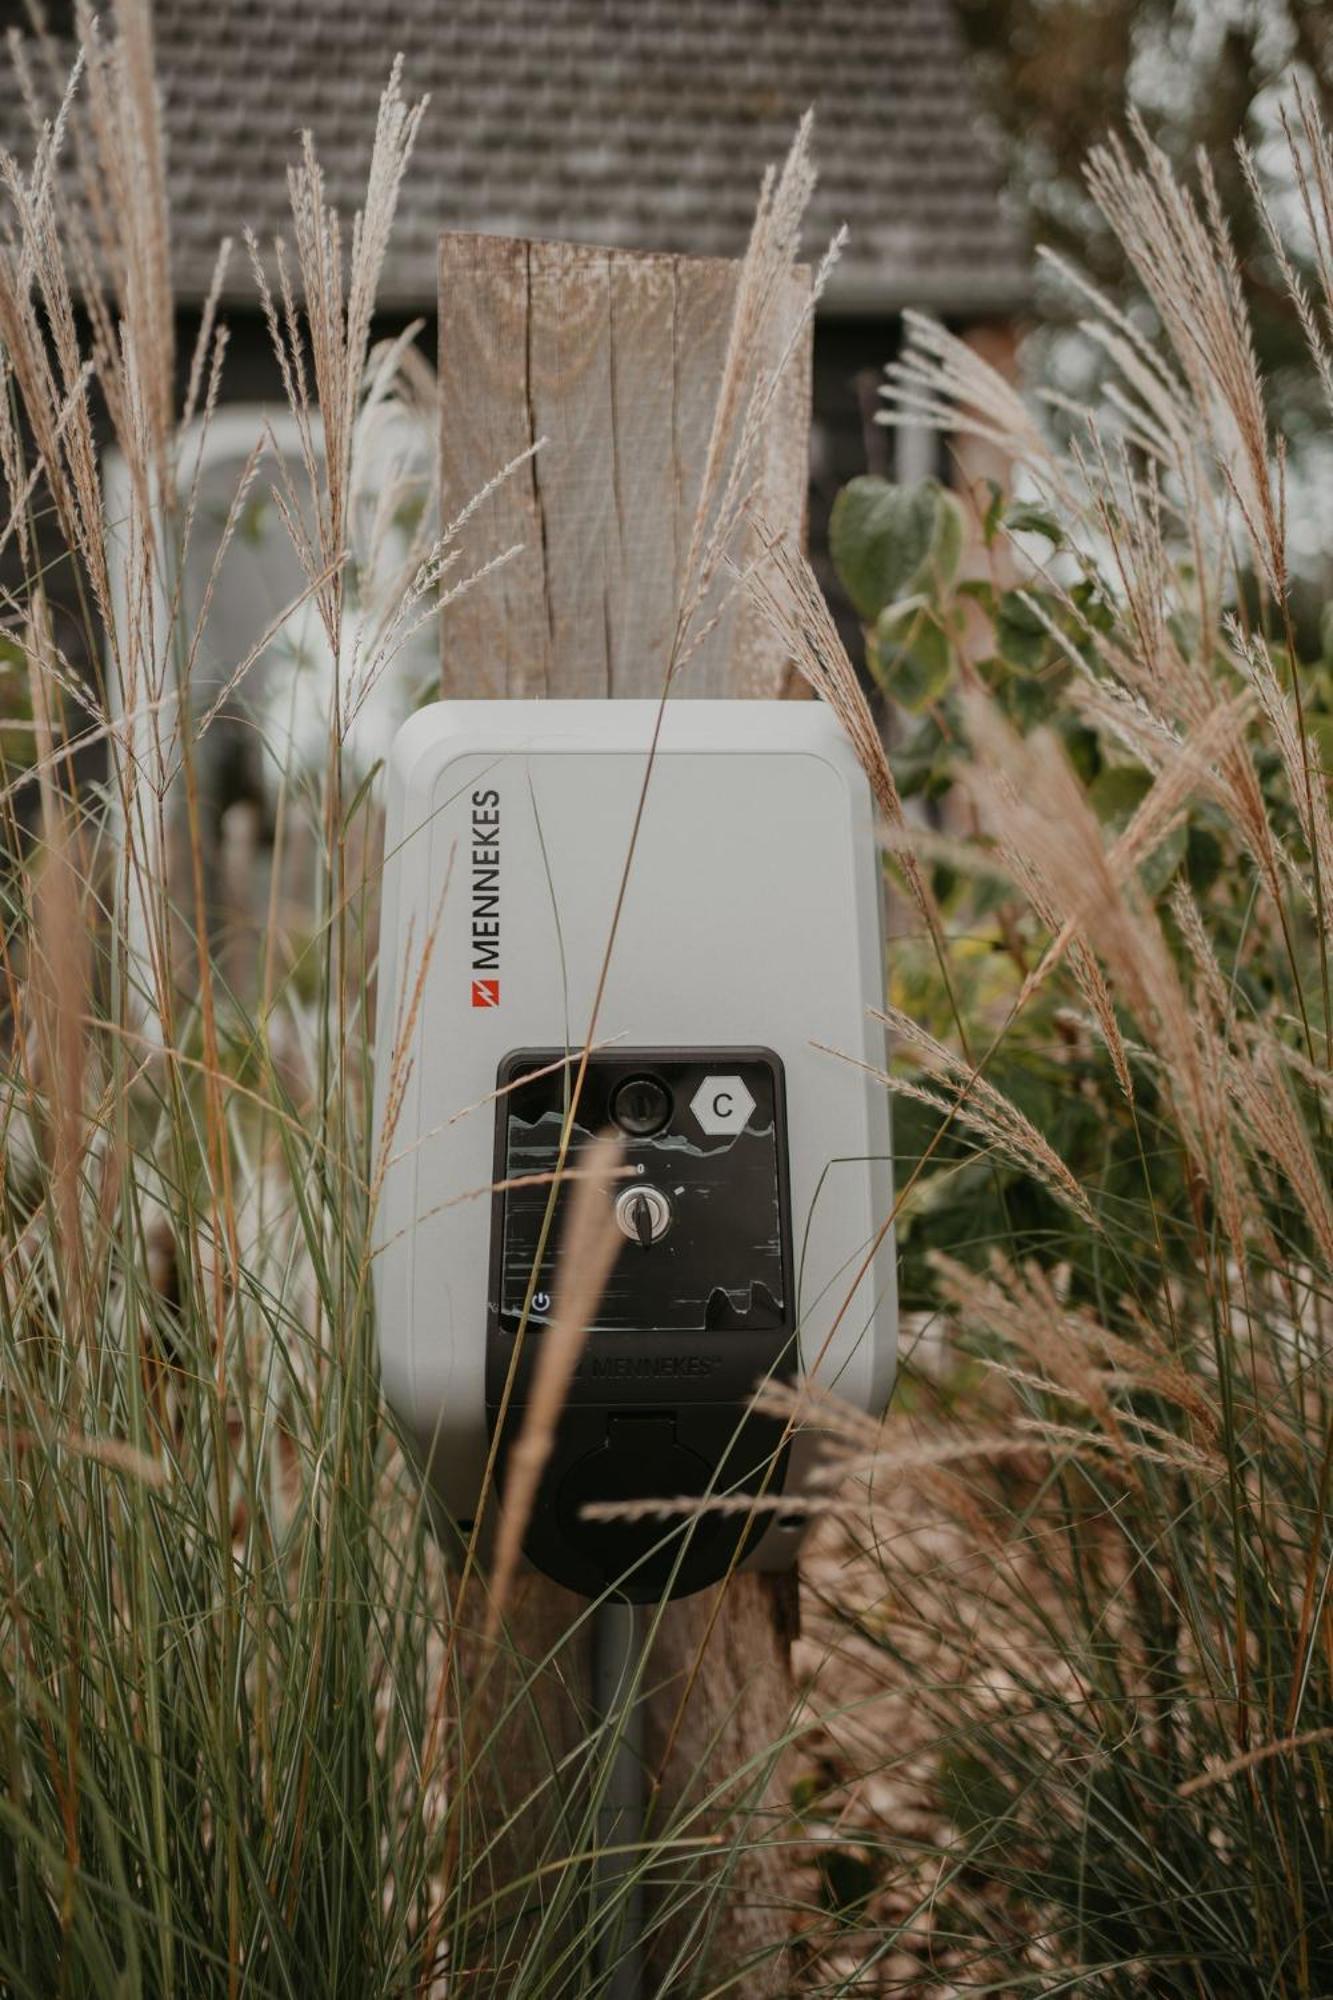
[880, 537]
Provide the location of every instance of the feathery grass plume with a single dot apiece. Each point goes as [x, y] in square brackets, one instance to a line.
[55, 1013]
[1016, 1306]
[51, 377]
[772, 310]
[102, 229]
[766, 269]
[1148, 402]
[786, 591]
[1157, 687]
[1311, 161]
[1171, 685]
[811, 1402]
[1213, 761]
[127, 190]
[333, 323]
[1148, 651]
[1183, 257]
[1241, 1213]
[1234, 1766]
[1107, 1646]
[1031, 804]
[941, 383]
[1310, 155]
[968, 1098]
[1072, 1359]
[1026, 874]
[1299, 755]
[360, 415]
[1259, 1082]
[831, 1489]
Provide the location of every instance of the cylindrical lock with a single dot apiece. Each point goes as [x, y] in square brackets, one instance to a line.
[644, 1214]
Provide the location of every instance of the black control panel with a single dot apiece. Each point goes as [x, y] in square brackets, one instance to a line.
[697, 1310]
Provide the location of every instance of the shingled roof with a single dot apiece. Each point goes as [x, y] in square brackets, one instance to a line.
[635, 122]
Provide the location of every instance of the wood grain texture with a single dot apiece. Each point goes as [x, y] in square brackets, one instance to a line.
[723, 1699]
[755, 664]
[495, 639]
[569, 387]
[615, 359]
[528, 1718]
[703, 322]
[642, 582]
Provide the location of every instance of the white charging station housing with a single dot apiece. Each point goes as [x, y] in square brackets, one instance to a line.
[750, 935]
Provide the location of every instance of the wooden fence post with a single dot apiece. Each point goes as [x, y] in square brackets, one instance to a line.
[615, 359]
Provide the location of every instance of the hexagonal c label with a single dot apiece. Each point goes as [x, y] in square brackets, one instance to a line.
[722, 1104]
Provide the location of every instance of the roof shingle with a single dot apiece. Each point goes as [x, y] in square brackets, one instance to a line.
[644, 123]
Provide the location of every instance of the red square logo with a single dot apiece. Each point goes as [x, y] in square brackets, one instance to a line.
[485, 992]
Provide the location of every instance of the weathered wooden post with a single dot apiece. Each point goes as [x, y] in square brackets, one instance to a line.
[615, 359]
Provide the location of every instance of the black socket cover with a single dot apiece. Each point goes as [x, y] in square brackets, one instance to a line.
[658, 1408]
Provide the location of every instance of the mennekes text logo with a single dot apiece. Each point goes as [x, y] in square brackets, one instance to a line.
[650, 1366]
[485, 866]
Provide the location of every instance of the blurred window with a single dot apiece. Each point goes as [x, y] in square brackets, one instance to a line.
[56, 16]
[277, 711]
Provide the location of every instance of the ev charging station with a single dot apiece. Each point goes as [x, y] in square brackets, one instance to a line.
[732, 1048]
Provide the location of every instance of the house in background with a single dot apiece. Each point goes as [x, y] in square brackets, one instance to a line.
[635, 123]
[639, 123]
[644, 124]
